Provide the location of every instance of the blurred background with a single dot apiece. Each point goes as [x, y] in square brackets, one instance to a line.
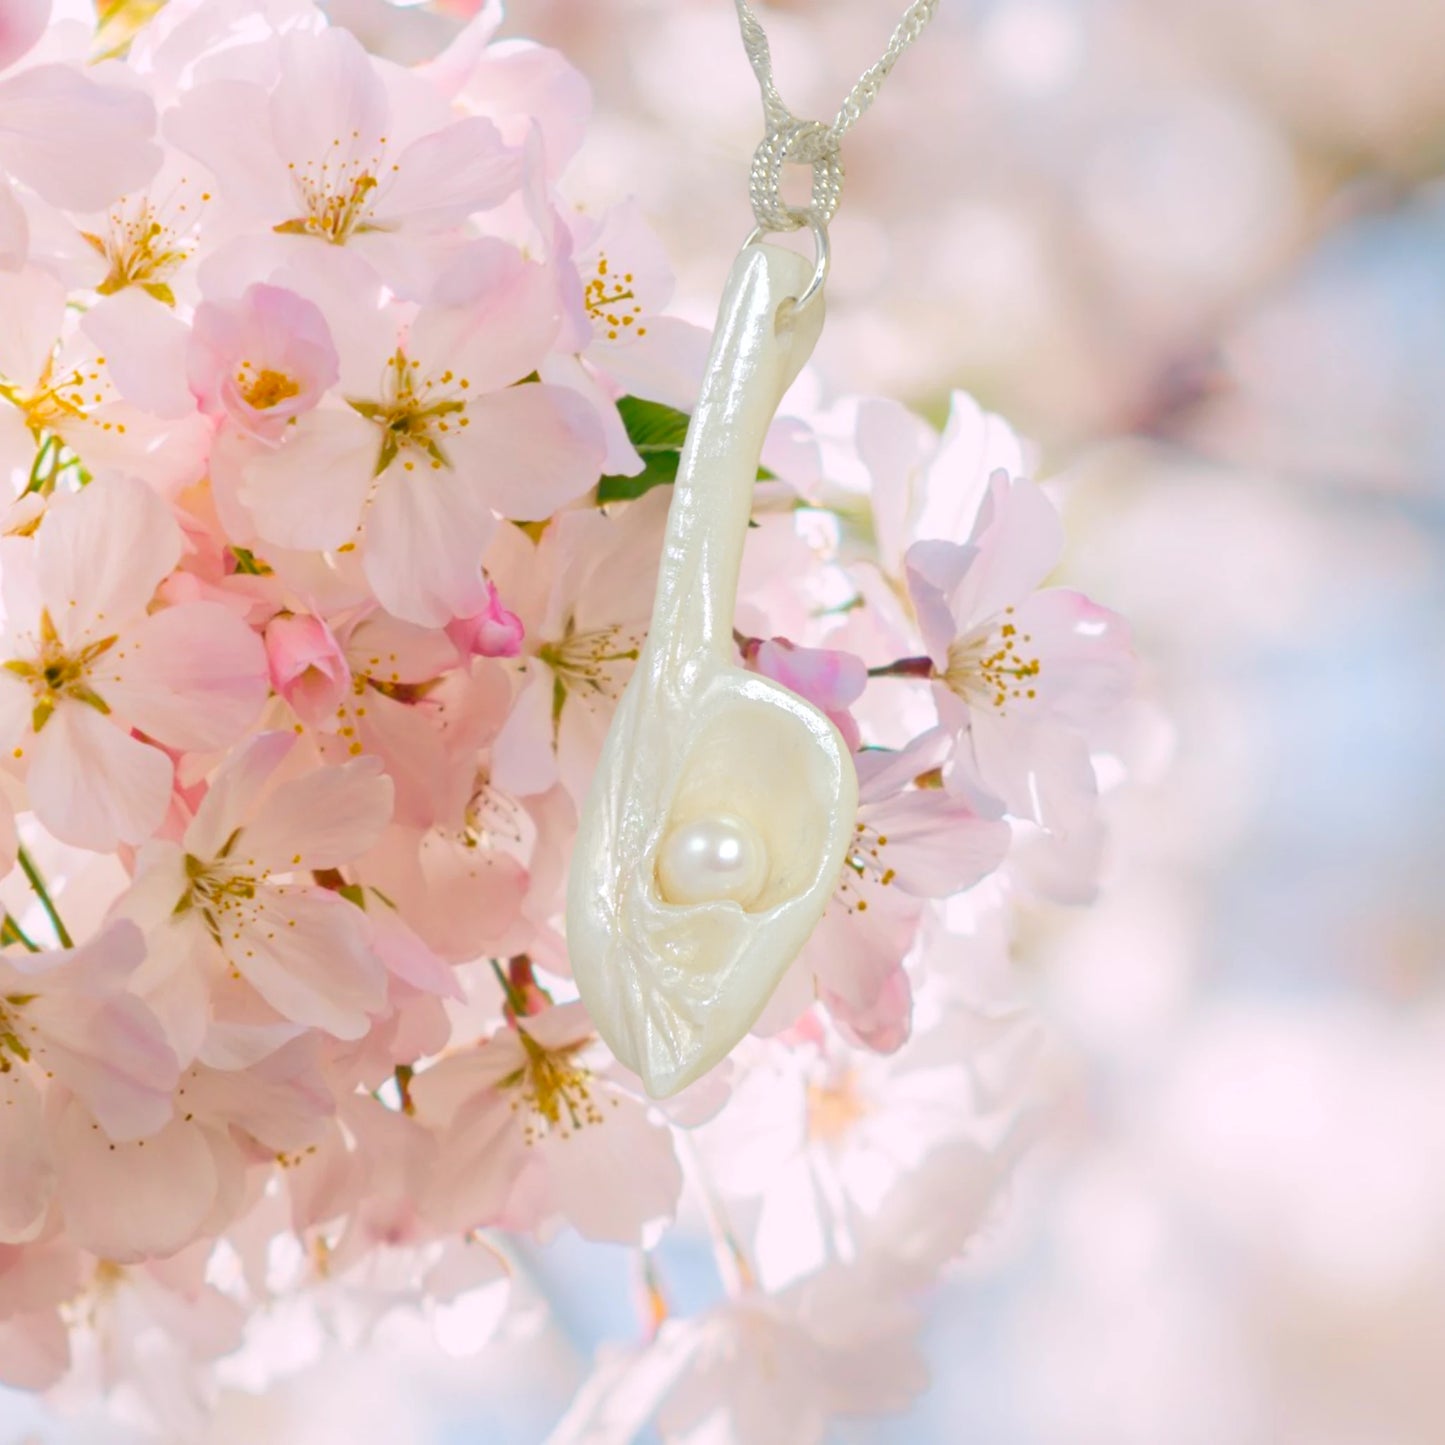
[1196, 252]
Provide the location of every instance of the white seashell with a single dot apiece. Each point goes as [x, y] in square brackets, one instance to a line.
[723, 805]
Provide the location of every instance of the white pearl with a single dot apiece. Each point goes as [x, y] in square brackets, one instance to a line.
[713, 858]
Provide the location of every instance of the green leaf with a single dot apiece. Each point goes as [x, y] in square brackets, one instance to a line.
[658, 432]
[651, 426]
[660, 471]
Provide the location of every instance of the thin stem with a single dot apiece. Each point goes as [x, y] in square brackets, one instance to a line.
[27, 865]
[11, 932]
[728, 1257]
[651, 1297]
[43, 468]
[515, 1001]
[905, 667]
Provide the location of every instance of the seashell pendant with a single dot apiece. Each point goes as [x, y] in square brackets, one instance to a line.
[720, 814]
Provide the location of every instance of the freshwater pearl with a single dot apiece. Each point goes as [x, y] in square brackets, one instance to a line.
[711, 859]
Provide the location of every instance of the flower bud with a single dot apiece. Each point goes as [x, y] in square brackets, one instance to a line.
[495, 631]
[307, 665]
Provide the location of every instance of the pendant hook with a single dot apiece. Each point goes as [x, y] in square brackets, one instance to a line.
[797, 218]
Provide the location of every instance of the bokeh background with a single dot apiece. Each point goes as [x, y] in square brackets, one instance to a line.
[1196, 252]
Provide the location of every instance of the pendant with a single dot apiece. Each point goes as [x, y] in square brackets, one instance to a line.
[721, 811]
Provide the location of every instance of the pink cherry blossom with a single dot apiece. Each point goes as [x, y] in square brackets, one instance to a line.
[261, 361]
[59, 388]
[334, 154]
[77, 142]
[525, 1120]
[235, 896]
[912, 841]
[584, 595]
[616, 326]
[821, 1135]
[86, 665]
[414, 469]
[68, 1030]
[1023, 675]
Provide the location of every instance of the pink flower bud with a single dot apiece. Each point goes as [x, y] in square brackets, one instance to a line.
[307, 665]
[495, 631]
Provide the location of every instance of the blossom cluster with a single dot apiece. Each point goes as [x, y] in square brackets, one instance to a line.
[339, 438]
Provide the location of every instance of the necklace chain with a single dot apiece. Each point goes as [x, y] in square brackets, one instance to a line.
[811, 142]
[863, 94]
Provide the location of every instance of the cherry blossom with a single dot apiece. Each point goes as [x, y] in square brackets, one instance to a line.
[334, 154]
[821, 1133]
[233, 897]
[583, 595]
[527, 1123]
[493, 631]
[261, 361]
[86, 665]
[77, 142]
[413, 464]
[67, 1017]
[1023, 675]
[61, 399]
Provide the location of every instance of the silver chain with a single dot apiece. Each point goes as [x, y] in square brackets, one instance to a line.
[810, 142]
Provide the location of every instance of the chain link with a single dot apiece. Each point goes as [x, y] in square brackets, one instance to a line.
[793, 141]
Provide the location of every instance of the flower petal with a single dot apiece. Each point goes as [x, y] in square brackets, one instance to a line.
[481, 1155]
[193, 676]
[14, 228]
[28, 1179]
[306, 953]
[94, 785]
[599, 1203]
[33, 303]
[932, 845]
[112, 1054]
[424, 543]
[78, 143]
[540, 447]
[233, 791]
[444, 177]
[34, 1350]
[323, 819]
[102, 553]
[128, 1202]
[328, 99]
[309, 492]
[22, 23]
[1019, 538]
